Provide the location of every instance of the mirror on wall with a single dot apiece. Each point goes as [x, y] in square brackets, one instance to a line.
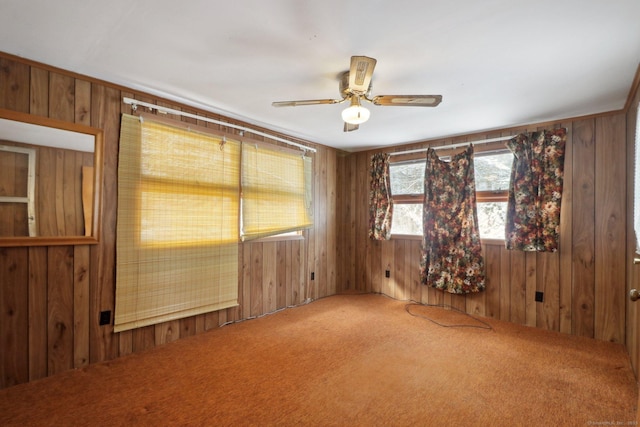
[50, 181]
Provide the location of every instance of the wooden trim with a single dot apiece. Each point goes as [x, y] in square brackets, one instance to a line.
[408, 198]
[486, 134]
[492, 196]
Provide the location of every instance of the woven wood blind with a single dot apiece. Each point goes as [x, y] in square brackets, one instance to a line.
[276, 191]
[177, 227]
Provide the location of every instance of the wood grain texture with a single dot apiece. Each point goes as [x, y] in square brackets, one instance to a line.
[583, 228]
[37, 324]
[64, 289]
[610, 281]
[14, 303]
[566, 278]
[60, 309]
[81, 286]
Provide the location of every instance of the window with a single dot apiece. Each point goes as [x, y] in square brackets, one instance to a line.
[177, 228]
[492, 172]
[181, 216]
[407, 191]
[276, 191]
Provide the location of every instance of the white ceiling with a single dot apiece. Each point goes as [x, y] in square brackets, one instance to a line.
[497, 63]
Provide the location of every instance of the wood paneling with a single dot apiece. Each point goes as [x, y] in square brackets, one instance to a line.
[583, 283]
[51, 297]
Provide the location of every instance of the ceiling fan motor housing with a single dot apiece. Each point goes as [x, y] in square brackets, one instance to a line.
[345, 92]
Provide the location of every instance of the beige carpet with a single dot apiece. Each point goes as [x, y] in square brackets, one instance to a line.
[345, 360]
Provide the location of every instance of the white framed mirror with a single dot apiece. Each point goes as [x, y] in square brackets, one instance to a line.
[50, 181]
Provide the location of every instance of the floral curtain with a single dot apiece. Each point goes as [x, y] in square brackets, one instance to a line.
[380, 202]
[535, 192]
[451, 252]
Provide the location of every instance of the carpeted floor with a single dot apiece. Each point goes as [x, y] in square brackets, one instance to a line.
[346, 360]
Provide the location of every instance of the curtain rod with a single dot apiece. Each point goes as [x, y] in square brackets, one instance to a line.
[134, 103]
[461, 144]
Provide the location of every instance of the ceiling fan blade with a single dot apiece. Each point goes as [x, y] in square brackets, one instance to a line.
[407, 100]
[306, 102]
[348, 127]
[360, 74]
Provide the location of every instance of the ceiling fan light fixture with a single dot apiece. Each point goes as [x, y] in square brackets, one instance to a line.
[356, 113]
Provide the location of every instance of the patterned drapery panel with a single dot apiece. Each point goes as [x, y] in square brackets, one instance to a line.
[535, 191]
[451, 253]
[380, 202]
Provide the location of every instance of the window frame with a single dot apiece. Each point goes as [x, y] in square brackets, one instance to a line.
[481, 196]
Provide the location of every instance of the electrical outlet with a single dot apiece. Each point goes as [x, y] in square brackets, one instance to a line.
[539, 296]
[387, 273]
[105, 317]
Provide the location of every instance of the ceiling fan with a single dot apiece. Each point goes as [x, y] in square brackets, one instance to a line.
[355, 86]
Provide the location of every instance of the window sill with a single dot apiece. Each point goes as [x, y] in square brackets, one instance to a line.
[277, 239]
[491, 242]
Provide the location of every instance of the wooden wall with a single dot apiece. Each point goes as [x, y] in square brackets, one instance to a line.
[51, 297]
[583, 283]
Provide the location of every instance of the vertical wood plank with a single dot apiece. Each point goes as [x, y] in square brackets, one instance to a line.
[269, 277]
[376, 274]
[610, 229]
[398, 273]
[548, 282]
[246, 279]
[60, 309]
[361, 218]
[143, 338]
[105, 114]
[321, 225]
[256, 280]
[39, 88]
[187, 327]
[331, 221]
[167, 332]
[583, 228]
[414, 270]
[38, 339]
[565, 246]
[81, 286]
[505, 284]
[14, 305]
[531, 288]
[341, 224]
[14, 85]
[388, 261]
[310, 238]
[350, 236]
[289, 273]
[281, 274]
[62, 97]
[492, 266]
[518, 287]
[82, 102]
